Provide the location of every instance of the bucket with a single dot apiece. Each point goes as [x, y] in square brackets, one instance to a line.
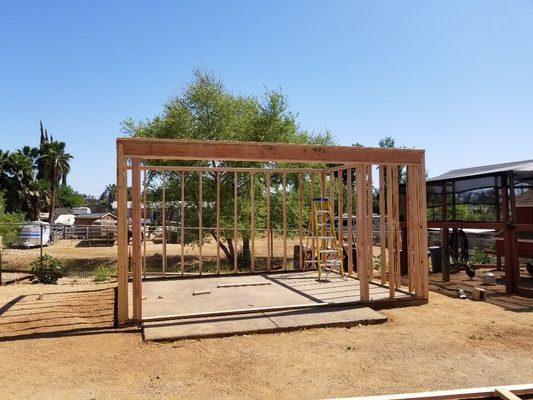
[489, 279]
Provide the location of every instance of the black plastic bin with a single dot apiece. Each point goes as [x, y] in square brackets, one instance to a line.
[435, 252]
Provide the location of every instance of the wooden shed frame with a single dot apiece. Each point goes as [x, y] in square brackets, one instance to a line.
[132, 152]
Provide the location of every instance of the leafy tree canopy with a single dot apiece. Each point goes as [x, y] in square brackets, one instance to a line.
[207, 110]
[68, 197]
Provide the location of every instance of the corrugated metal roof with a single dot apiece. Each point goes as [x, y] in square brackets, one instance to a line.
[517, 166]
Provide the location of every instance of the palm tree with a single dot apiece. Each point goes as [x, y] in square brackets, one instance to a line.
[56, 162]
[109, 195]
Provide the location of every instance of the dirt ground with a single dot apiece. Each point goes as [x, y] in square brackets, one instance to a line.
[64, 346]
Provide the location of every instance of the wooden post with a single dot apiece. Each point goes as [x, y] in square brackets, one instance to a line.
[235, 251]
[445, 236]
[515, 266]
[145, 235]
[164, 226]
[122, 237]
[422, 216]
[409, 229]
[382, 222]
[218, 221]
[340, 205]
[200, 221]
[136, 238]
[252, 221]
[390, 232]
[396, 208]
[284, 216]
[312, 222]
[349, 232]
[509, 241]
[414, 233]
[370, 224]
[182, 223]
[362, 221]
[269, 246]
[300, 251]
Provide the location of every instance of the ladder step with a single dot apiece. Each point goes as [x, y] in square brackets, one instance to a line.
[326, 238]
[328, 251]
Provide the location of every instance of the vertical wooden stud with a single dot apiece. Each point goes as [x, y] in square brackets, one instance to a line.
[268, 233]
[284, 216]
[370, 223]
[164, 224]
[390, 232]
[200, 222]
[235, 210]
[182, 223]
[312, 219]
[361, 224]
[396, 208]
[340, 205]
[218, 220]
[422, 215]
[252, 221]
[136, 238]
[122, 237]
[300, 251]
[145, 233]
[349, 232]
[382, 228]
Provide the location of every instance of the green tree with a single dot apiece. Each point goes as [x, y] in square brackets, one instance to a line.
[9, 224]
[109, 195]
[68, 197]
[56, 162]
[206, 110]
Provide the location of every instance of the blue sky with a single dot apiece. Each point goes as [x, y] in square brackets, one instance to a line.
[453, 77]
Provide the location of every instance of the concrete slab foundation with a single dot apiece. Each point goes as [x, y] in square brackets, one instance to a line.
[175, 296]
[260, 323]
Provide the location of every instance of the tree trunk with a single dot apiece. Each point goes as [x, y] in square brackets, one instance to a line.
[53, 189]
[245, 256]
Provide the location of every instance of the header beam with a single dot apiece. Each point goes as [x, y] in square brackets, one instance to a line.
[172, 149]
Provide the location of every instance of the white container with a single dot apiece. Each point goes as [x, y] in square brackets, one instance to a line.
[30, 234]
[489, 279]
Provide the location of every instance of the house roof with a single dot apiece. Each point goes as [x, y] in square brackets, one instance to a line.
[516, 166]
[95, 215]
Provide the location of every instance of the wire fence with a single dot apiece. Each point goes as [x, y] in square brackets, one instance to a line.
[90, 251]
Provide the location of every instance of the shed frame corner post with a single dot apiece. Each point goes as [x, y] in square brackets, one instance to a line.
[422, 212]
[122, 237]
[136, 238]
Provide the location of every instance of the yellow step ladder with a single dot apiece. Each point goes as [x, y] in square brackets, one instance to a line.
[326, 251]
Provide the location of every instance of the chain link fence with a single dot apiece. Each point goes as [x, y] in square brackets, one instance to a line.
[89, 252]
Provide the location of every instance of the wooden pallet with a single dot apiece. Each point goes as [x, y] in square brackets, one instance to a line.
[512, 392]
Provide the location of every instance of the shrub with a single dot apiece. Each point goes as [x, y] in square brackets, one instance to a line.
[103, 272]
[478, 256]
[48, 270]
[9, 225]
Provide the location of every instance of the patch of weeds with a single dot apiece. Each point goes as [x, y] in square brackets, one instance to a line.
[103, 272]
[47, 269]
